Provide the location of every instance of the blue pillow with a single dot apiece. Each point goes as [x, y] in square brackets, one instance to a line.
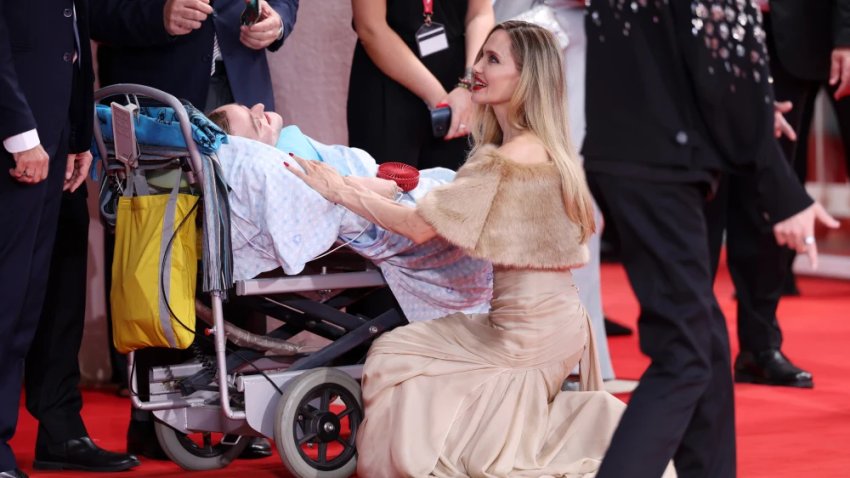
[292, 140]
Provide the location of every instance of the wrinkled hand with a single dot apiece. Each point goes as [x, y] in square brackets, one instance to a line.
[780, 125]
[319, 176]
[76, 170]
[185, 16]
[460, 101]
[797, 229]
[839, 72]
[31, 165]
[263, 33]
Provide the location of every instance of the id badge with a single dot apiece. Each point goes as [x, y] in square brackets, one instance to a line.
[431, 39]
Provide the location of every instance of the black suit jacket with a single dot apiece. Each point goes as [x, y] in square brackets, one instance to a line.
[135, 48]
[673, 95]
[40, 87]
[806, 31]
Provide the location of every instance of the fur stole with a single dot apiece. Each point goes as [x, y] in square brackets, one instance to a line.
[509, 213]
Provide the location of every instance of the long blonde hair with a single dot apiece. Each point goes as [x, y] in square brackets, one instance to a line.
[539, 105]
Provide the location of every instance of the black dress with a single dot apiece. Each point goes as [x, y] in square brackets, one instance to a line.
[384, 117]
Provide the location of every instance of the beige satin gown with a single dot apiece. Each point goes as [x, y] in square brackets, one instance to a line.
[479, 395]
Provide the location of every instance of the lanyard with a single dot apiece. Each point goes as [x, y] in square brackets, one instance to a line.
[427, 10]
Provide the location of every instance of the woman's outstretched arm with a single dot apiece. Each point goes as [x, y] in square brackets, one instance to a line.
[359, 199]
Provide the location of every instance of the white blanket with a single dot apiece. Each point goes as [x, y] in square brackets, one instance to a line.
[278, 221]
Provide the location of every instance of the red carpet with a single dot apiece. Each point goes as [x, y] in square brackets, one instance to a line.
[781, 432]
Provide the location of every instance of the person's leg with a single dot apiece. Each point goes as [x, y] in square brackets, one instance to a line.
[52, 369]
[758, 267]
[52, 372]
[683, 406]
[802, 94]
[28, 214]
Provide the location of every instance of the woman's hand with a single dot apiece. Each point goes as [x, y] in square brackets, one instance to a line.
[324, 179]
[460, 101]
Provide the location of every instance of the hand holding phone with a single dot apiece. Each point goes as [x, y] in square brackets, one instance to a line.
[441, 120]
[251, 13]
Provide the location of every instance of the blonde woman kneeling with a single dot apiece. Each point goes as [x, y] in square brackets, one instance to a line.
[479, 395]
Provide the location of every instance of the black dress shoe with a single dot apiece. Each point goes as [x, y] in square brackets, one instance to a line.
[16, 473]
[258, 447]
[770, 367]
[82, 454]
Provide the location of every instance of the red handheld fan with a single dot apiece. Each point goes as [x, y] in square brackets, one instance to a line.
[405, 175]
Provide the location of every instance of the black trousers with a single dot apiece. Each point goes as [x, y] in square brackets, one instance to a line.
[52, 374]
[683, 408]
[28, 215]
[758, 265]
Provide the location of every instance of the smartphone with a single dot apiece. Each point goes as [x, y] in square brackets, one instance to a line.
[441, 119]
[251, 13]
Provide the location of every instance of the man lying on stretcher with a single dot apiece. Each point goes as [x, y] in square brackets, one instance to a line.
[276, 221]
[267, 127]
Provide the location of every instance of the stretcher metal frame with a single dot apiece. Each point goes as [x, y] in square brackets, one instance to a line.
[211, 408]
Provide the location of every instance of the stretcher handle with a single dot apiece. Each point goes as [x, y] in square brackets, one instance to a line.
[124, 89]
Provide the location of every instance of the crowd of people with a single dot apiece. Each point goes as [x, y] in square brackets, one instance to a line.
[668, 116]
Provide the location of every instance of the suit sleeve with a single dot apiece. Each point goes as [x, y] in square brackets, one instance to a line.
[841, 23]
[130, 23]
[780, 191]
[15, 114]
[288, 10]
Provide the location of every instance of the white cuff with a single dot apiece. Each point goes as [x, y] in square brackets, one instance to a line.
[21, 142]
[280, 33]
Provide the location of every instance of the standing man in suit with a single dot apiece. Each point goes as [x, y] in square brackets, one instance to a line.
[45, 126]
[809, 46]
[678, 93]
[196, 50]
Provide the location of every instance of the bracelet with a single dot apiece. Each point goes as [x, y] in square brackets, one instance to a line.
[466, 80]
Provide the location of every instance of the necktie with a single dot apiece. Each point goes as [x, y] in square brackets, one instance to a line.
[216, 56]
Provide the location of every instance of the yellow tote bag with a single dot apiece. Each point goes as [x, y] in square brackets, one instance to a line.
[156, 250]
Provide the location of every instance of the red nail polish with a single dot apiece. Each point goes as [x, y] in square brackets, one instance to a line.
[286, 164]
[292, 154]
